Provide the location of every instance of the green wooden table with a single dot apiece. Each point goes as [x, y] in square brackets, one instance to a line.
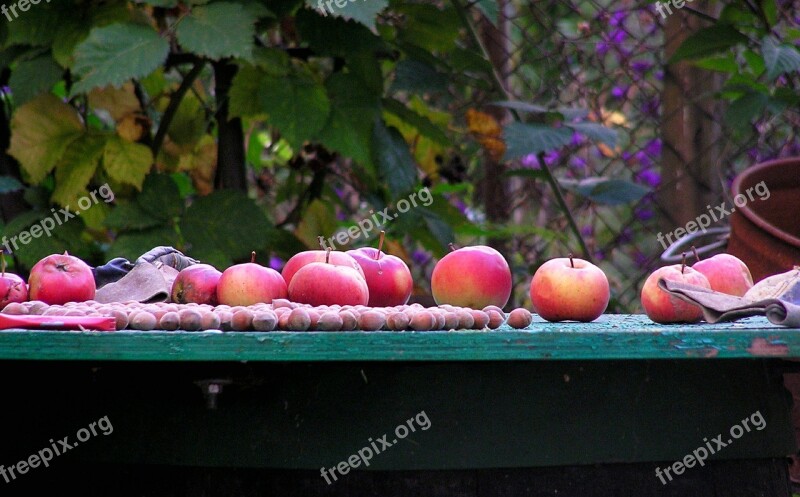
[559, 407]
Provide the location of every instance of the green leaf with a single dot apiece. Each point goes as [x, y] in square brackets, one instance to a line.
[160, 197]
[295, 104]
[127, 162]
[394, 161]
[489, 8]
[224, 222]
[779, 59]
[418, 77]
[527, 173]
[39, 24]
[132, 245]
[130, 216]
[32, 77]
[364, 12]
[742, 111]
[40, 132]
[596, 132]
[429, 26]
[725, 63]
[77, 167]
[418, 121]
[523, 139]
[217, 30]
[354, 109]
[189, 122]
[10, 184]
[97, 59]
[708, 41]
[607, 191]
[334, 35]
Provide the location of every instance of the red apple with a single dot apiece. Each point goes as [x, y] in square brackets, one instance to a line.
[568, 288]
[196, 283]
[324, 283]
[726, 274]
[301, 259]
[58, 279]
[662, 307]
[472, 277]
[12, 289]
[388, 277]
[250, 283]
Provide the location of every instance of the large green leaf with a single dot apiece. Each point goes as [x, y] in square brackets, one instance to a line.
[779, 58]
[77, 167]
[708, 41]
[40, 132]
[225, 222]
[607, 191]
[39, 24]
[296, 104]
[126, 162]
[133, 244]
[335, 36]
[217, 30]
[524, 139]
[742, 111]
[596, 132]
[364, 12]
[65, 235]
[421, 123]
[98, 58]
[32, 77]
[354, 109]
[130, 216]
[430, 26]
[418, 77]
[395, 164]
[160, 197]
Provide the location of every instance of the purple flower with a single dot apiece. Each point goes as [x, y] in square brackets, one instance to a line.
[626, 236]
[602, 48]
[577, 139]
[530, 161]
[651, 106]
[644, 214]
[587, 230]
[640, 259]
[619, 91]
[643, 159]
[626, 156]
[276, 263]
[653, 148]
[640, 66]
[578, 162]
[617, 18]
[420, 257]
[617, 36]
[650, 177]
[551, 157]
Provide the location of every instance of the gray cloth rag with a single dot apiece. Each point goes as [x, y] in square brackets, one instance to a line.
[776, 297]
[146, 283]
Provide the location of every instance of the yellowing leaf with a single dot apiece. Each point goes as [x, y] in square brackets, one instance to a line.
[487, 131]
[127, 162]
[133, 126]
[201, 164]
[318, 220]
[118, 102]
[40, 132]
[77, 167]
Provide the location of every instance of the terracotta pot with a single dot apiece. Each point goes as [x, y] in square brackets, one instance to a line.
[765, 234]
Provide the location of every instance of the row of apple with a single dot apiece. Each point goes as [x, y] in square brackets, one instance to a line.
[471, 277]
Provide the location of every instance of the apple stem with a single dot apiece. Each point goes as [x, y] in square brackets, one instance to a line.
[380, 245]
[3, 262]
[683, 262]
[253, 256]
[452, 247]
[328, 255]
[571, 262]
[696, 255]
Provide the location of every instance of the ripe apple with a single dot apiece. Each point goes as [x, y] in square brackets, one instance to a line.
[250, 283]
[12, 286]
[725, 273]
[388, 277]
[196, 283]
[301, 259]
[61, 278]
[569, 288]
[662, 307]
[472, 277]
[325, 283]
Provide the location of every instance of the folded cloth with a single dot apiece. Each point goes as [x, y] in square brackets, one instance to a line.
[146, 282]
[161, 256]
[776, 297]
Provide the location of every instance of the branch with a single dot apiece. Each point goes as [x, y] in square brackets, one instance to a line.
[174, 103]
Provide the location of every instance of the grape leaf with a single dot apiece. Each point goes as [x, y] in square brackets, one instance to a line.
[40, 132]
[32, 77]
[97, 58]
[217, 30]
[77, 167]
[118, 102]
[133, 244]
[126, 162]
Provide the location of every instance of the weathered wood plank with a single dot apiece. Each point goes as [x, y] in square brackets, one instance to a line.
[611, 337]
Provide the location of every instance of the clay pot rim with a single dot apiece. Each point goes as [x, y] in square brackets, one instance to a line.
[746, 177]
